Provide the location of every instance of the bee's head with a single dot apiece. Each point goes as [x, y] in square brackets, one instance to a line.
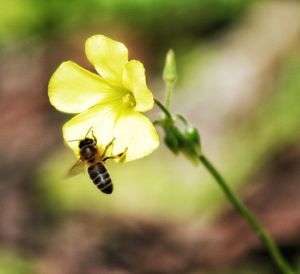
[86, 142]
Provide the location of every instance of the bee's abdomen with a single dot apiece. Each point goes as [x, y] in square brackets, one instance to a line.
[100, 177]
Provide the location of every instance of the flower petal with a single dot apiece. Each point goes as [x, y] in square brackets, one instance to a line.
[134, 79]
[135, 132]
[129, 128]
[108, 57]
[101, 118]
[74, 89]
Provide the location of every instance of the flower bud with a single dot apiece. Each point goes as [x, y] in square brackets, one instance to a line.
[171, 134]
[169, 73]
[192, 135]
[172, 142]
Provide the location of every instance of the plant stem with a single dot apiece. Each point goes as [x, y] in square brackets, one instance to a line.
[169, 95]
[163, 108]
[244, 211]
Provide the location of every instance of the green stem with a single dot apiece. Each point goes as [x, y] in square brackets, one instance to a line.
[244, 211]
[240, 207]
[182, 119]
[163, 108]
[169, 95]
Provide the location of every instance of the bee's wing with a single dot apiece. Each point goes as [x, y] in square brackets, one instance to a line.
[77, 168]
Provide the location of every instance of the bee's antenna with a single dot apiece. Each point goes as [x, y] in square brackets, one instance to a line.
[88, 132]
[78, 140]
[75, 140]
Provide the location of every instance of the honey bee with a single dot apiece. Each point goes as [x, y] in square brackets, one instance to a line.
[94, 160]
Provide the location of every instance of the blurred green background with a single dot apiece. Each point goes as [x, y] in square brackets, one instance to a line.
[239, 84]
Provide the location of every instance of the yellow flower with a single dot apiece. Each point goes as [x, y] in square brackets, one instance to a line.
[110, 102]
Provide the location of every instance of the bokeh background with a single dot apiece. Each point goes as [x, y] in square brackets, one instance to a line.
[239, 83]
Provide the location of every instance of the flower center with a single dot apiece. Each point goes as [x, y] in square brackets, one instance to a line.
[129, 100]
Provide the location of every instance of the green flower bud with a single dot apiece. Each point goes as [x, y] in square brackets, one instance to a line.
[191, 147]
[171, 134]
[169, 73]
[193, 137]
[172, 143]
[183, 139]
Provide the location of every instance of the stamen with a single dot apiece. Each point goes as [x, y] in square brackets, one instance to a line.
[129, 100]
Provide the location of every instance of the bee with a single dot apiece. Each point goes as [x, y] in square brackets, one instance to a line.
[94, 160]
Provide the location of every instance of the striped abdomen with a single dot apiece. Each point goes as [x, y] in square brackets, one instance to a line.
[100, 177]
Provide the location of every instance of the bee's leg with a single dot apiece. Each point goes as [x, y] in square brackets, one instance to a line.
[118, 156]
[108, 146]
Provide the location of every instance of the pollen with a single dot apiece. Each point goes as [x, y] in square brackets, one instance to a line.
[129, 100]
